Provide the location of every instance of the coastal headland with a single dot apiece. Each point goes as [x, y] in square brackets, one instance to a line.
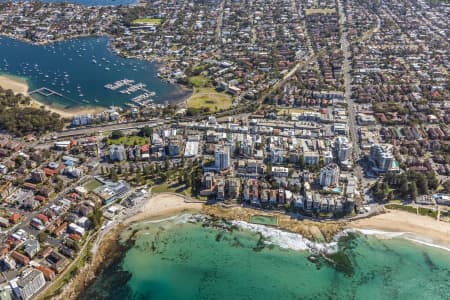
[419, 229]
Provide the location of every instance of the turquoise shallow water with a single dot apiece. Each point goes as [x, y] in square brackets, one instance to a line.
[191, 261]
[78, 69]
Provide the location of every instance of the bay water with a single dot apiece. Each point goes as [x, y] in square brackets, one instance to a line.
[184, 260]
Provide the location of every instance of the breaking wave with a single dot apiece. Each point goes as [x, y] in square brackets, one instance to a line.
[404, 235]
[295, 241]
[288, 240]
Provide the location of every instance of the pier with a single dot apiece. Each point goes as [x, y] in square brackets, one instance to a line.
[46, 92]
[130, 87]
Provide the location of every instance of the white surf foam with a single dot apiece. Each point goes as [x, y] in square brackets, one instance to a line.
[177, 218]
[403, 235]
[429, 244]
[380, 233]
[287, 240]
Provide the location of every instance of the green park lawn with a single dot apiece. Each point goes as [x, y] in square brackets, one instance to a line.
[199, 81]
[92, 185]
[147, 21]
[209, 98]
[128, 141]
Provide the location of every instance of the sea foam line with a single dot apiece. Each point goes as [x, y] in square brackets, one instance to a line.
[287, 240]
[403, 235]
[179, 218]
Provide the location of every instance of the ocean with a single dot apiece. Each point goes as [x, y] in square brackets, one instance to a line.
[175, 259]
[78, 69]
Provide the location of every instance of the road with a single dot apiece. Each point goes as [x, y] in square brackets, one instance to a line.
[219, 23]
[348, 93]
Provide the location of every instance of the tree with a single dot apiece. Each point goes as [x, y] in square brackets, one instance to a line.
[113, 175]
[19, 160]
[59, 185]
[446, 186]
[42, 237]
[145, 172]
[166, 163]
[413, 191]
[116, 134]
[301, 161]
[138, 178]
[404, 188]
[146, 131]
[422, 184]
[269, 169]
[433, 181]
[96, 216]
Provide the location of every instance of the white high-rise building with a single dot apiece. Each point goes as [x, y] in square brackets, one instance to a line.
[117, 152]
[343, 148]
[381, 156]
[222, 158]
[329, 175]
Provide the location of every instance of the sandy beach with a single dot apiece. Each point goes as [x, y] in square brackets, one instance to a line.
[16, 85]
[108, 248]
[19, 86]
[161, 205]
[419, 228]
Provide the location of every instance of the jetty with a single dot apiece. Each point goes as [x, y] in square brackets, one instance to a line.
[46, 92]
[128, 86]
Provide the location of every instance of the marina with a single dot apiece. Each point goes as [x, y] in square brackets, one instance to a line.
[131, 87]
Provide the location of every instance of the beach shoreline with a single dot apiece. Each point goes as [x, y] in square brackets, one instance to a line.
[400, 224]
[20, 86]
[392, 224]
[157, 206]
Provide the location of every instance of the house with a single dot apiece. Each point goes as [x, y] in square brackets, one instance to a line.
[280, 171]
[31, 248]
[57, 261]
[273, 197]
[233, 186]
[6, 189]
[49, 274]
[14, 218]
[20, 258]
[4, 222]
[45, 191]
